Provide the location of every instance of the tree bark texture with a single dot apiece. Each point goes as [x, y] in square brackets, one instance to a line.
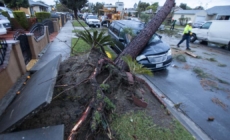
[139, 42]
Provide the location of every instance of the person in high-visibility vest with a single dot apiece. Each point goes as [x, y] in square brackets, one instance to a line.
[186, 35]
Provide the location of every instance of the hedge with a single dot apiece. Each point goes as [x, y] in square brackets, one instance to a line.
[42, 15]
[20, 16]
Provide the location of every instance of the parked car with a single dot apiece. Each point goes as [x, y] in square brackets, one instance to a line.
[214, 31]
[80, 15]
[156, 54]
[54, 15]
[2, 29]
[10, 12]
[133, 18]
[198, 24]
[5, 22]
[85, 15]
[93, 21]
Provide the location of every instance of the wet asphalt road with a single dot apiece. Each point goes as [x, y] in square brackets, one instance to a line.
[201, 98]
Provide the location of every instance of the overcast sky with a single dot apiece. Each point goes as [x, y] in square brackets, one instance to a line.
[191, 3]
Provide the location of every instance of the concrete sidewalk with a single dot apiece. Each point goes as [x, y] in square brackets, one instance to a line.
[60, 45]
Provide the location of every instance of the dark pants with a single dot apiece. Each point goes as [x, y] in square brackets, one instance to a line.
[172, 27]
[187, 38]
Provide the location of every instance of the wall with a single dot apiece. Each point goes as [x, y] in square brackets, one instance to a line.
[26, 10]
[13, 67]
[37, 46]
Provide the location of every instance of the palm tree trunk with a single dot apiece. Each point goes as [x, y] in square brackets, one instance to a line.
[140, 41]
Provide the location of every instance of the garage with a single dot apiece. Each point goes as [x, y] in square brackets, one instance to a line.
[200, 18]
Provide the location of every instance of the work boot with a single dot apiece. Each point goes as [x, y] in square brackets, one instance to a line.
[178, 45]
[188, 49]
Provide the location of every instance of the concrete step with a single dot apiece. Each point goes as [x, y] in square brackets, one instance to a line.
[46, 133]
[37, 93]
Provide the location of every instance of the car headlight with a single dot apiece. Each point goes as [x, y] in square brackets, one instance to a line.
[140, 57]
[169, 52]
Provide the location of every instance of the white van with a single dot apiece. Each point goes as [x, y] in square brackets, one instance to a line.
[214, 31]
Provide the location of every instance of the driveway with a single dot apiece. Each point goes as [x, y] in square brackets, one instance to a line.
[201, 84]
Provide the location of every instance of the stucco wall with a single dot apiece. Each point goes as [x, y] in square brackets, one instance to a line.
[26, 10]
[14, 68]
[37, 46]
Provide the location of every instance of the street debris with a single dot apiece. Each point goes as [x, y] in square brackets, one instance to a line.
[191, 54]
[208, 84]
[220, 103]
[210, 118]
[181, 58]
[177, 105]
[187, 67]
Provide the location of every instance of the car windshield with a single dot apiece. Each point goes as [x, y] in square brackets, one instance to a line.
[154, 38]
[92, 17]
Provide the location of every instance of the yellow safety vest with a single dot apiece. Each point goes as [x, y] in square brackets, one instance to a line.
[187, 29]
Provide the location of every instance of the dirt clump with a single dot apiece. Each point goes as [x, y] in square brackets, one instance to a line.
[74, 91]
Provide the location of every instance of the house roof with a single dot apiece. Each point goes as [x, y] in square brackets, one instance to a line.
[219, 10]
[188, 12]
[32, 3]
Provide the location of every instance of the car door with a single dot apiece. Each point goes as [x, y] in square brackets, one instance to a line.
[204, 30]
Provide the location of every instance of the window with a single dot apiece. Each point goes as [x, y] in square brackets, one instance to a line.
[122, 34]
[116, 29]
[206, 25]
[111, 26]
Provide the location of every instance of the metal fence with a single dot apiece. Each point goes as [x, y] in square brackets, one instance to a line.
[24, 44]
[3, 47]
[49, 23]
[37, 30]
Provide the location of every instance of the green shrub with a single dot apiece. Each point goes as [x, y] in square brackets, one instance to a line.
[20, 16]
[42, 15]
[6, 14]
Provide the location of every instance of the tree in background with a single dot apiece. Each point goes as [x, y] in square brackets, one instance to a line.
[142, 7]
[62, 8]
[154, 7]
[74, 5]
[98, 6]
[199, 8]
[185, 7]
[16, 4]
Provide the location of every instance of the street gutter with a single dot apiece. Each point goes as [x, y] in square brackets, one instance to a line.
[177, 113]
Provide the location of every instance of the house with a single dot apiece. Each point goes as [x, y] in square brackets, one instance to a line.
[193, 15]
[120, 6]
[218, 13]
[35, 7]
[214, 13]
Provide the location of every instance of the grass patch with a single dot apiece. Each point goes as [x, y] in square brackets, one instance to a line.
[141, 127]
[200, 73]
[222, 65]
[180, 58]
[212, 59]
[206, 53]
[80, 47]
[223, 81]
[77, 24]
[199, 57]
[76, 31]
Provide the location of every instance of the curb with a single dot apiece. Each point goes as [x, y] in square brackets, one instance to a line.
[182, 118]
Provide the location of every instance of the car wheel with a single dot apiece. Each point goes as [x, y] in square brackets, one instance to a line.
[193, 38]
[229, 45]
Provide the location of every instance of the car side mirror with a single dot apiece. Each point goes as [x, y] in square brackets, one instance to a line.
[200, 27]
[121, 39]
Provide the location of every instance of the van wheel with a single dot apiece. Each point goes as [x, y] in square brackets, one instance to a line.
[228, 46]
[193, 38]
